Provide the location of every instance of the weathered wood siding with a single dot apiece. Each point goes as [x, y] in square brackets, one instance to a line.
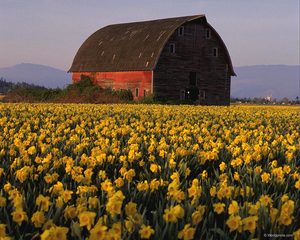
[141, 80]
[194, 53]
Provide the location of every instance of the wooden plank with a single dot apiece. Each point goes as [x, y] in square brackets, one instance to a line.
[193, 53]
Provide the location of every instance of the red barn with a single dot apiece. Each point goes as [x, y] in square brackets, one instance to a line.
[175, 58]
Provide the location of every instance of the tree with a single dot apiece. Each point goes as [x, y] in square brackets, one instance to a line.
[285, 100]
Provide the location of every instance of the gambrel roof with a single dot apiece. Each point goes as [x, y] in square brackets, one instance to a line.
[129, 46]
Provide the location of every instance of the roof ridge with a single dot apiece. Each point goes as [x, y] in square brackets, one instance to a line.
[127, 46]
[160, 19]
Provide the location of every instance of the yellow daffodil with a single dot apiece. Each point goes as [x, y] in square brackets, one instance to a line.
[86, 219]
[187, 233]
[19, 217]
[38, 219]
[219, 207]
[146, 232]
[234, 223]
[249, 223]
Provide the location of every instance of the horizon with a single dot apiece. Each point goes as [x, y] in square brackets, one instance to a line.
[243, 66]
[256, 33]
[251, 81]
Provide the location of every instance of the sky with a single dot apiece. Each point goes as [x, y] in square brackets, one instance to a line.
[49, 32]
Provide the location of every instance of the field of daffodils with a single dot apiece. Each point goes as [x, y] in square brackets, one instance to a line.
[149, 172]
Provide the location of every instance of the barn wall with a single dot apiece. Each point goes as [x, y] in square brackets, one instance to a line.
[120, 80]
[194, 53]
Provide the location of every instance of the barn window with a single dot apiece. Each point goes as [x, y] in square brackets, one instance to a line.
[172, 48]
[181, 31]
[136, 92]
[208, 33]
[145, 92]
[215, 52]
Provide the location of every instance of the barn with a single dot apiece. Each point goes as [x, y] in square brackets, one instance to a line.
[181, 58]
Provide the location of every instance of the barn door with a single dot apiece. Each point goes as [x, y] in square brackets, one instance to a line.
[192, 92]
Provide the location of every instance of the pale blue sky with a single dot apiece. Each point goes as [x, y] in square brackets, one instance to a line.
[50, 32]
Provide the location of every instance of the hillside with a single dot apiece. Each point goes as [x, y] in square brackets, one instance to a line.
[36, 74]
[277, 81]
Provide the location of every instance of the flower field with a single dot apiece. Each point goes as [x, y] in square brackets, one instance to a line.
[149, 172]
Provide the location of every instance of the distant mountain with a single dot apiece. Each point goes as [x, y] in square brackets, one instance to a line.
[36, 74]
[278, 81]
